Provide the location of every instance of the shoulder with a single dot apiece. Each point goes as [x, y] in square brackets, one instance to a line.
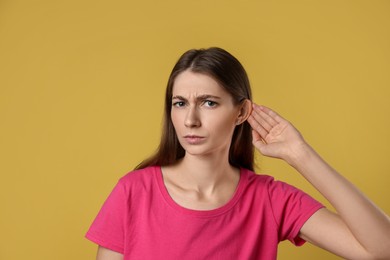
[281, 195]
[257, 179]
[267, 183]
[139, 178]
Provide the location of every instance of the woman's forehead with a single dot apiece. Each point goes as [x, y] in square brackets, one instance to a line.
[193, 83]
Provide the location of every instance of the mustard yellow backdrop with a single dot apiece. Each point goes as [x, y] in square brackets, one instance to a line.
[81, 98]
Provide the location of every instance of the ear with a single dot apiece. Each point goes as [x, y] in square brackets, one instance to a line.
[245, 111]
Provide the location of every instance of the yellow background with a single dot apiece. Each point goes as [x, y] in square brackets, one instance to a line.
[81, 97]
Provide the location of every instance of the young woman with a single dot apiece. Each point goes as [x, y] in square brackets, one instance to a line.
[198, 197]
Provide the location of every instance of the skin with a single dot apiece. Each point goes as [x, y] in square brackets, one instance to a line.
[358, 229]
[107, 254]
[204, 179]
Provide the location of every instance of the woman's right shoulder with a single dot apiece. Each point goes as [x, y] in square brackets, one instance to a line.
[139, 176]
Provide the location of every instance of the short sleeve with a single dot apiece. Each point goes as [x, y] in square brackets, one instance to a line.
[107, 229]
[291, 208]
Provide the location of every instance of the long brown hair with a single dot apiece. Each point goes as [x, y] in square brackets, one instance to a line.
[228, 71]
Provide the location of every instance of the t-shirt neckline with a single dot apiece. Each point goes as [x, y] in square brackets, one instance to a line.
[202, 213]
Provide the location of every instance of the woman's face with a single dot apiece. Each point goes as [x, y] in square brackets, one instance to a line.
[203, 114]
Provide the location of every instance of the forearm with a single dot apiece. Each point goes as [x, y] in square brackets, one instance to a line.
[107, 254]
[369, 225]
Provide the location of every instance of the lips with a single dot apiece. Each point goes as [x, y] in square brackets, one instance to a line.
[194, 139]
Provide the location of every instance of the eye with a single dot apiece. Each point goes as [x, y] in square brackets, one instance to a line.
[210, 103]
[178, 104]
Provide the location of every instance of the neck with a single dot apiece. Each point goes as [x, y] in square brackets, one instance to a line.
[206, 173]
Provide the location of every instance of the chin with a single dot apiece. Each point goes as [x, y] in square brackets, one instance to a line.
[202, 151]
[192, 151]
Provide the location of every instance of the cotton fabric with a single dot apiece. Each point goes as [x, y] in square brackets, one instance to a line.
[140, 220]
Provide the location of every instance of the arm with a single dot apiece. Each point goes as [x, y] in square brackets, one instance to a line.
[107, 254]
[359, 230]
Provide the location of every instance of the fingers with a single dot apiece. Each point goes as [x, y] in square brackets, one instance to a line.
[262, 120]
[270, 114]
[257, 126]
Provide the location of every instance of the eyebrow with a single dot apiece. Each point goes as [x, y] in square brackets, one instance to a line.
[201, 97]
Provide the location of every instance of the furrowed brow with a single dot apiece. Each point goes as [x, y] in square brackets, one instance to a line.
[179, 98]
[203, 97]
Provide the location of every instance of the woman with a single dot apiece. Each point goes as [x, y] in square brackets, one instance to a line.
[198, 197]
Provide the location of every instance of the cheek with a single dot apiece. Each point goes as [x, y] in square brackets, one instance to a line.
[175, 119]
[222, 124]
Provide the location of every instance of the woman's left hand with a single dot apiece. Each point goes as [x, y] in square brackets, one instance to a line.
[344, 234]
[274, 136]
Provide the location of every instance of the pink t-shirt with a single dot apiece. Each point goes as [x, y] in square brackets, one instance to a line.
[140, 220]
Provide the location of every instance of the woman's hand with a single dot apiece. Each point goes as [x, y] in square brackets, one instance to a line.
[351, 237]
[274, 136]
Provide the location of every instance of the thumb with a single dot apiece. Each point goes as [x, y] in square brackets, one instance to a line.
[270, 150]
[257, 141]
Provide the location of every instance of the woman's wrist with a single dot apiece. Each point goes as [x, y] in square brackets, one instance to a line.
[301, 155]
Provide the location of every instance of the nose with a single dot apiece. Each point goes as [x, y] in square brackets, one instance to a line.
[192, 118]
